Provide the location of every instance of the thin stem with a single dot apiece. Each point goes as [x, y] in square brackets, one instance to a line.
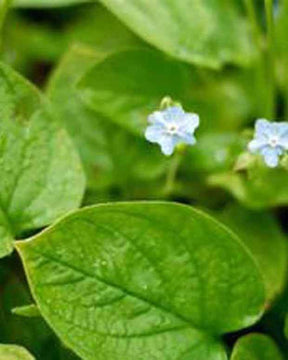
[172, 172]
[270, 56]
[4, 7]
[256, 29]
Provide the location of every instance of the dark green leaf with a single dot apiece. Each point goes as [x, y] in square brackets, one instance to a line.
[47, 3]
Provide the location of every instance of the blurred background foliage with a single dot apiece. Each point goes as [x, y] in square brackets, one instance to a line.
[103, 80]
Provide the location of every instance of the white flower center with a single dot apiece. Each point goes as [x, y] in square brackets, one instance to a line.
[172, 129]
[273, 141]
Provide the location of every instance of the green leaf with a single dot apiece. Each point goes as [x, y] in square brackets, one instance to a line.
[41, 175]
[205, 32]
[101, 144]
[27, 311]
[259, 187]
[256, 347]
[262, 235]
[127, 86]
[215, 152]
[47, 3]
[143, 280]
[14, 352]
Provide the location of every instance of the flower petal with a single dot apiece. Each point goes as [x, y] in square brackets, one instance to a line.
[174, 114]
[167, 144]
[154, 133]
[262, 128]
[283, 142]
[271, 157]
[188, 139]
[256, 144]
[190, 123]
[282, 129]
[156, 118]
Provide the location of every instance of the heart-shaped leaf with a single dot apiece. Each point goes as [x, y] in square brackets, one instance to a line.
[206, 32]
[41, 174]
[256, 347]
[142, 281]
[14, 352]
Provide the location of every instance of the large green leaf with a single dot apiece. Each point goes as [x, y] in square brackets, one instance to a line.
[256, 347]
[141, 281]
[14, 352]
[102, 145]
[263, 236]
[206, 32]
[41, 175]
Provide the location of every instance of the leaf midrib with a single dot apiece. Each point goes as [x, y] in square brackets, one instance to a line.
[115, 286]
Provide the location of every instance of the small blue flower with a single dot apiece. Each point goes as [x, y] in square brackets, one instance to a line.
[270, 140]
[171, 127]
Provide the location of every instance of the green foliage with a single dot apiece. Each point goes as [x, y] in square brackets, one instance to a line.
[102, 145]
[27, 311]
[131, 285]
[48, 3]
[258, 187]
[140, 280]
[256, 347]
[217, 32]
[35, 155]
[14, 352]
[262, 235]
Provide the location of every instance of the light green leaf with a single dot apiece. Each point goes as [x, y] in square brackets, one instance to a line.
[256, 347]
[141, 281]
[263, 236]
[102, 145]
[47, 3]
[259, 187]
[27, 311]
[14, 352]
[205, 32]
[41, 175]
[127, 86]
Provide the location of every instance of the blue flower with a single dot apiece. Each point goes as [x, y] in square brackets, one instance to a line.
[270, 141]
[171, 127]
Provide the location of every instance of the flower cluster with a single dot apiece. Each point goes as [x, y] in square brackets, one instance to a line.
[173, 126]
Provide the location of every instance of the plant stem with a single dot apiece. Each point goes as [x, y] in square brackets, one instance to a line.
[270, 57]
[4, 7]
[172, 172]
[251, 12]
